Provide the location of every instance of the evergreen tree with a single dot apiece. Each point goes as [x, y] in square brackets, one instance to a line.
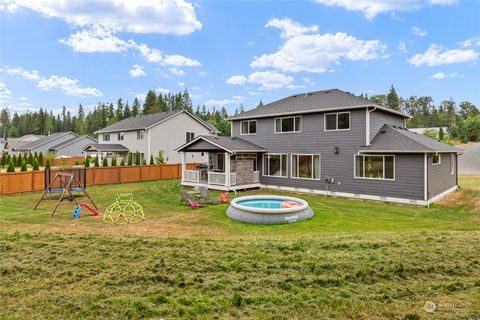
[80, 123]
[150, 105]
[11, 166]
[87, 162]
[95, 163]
[129, 161]
[135, 108]
[260, 104]
[47, 164]
[105, 162]
[151, 159]
[35, 164]
[119, 110]
[24, 166]
[393, 101]
[127, 113]
[114, 161]
[137, 158]
[441, 134]
[4, 159]
[40, 158]
[15, 160]
[30, 158]
[122, 163]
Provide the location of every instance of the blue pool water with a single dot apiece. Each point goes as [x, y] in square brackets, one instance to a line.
[262, 203]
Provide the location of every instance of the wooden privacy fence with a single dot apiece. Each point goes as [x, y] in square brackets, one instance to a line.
[67, 161]
[20, 182]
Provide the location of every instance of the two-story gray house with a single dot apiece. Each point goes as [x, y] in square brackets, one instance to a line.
[326, 142]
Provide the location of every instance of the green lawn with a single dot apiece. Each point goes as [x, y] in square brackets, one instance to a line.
[354, 259]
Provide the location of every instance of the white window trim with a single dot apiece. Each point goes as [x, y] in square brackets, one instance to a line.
[336, 117]
[248, 126]
[439, 160]
[120, 134]
[306, 154]
[281, 132]
[452, 164]
[106, 135]
[143, 134]
[190, 133]
[274, 154]
[368, 178]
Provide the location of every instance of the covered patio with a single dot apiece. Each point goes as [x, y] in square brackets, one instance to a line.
[232, 163]
[102, 150]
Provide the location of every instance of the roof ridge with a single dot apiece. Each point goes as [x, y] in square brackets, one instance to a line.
[408, 137]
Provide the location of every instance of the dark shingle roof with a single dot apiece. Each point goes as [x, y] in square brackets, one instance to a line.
[43, 140]
[393, 138]
[148, 120]
[107, 147]
[229, 144]
[318, 101]
[65, 143]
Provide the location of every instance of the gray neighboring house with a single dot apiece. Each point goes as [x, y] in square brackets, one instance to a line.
[12, 144]
[326, 142]
[72, 147]
[45, 143]
[151, 133]
[434, 130]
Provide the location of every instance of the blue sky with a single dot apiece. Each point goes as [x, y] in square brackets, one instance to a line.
[55, 53]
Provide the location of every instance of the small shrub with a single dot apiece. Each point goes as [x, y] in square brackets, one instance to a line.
[151, 159]
[130, 160]
[87, 162]
[24, 166]
[47, 165]
[105, 162]
[96, 164]
[122, 163]
[137, 158]
[114, 162]
[17, 161]
[35, 164]
[40, 158]
[160, 159]
[30, 158]
[11, 166]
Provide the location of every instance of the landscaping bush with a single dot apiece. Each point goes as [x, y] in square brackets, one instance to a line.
[87, 162]
[11, 166]
[137, 158]
[122, 164]
[160, 159]
[105, 162]
[3, 160]
[29, 160]
[15, 160]
[130, 161]
[24, 166]
[47, 164]
[114, 162]
[151, 159]
[40, 158]
[96, 164]
[35, 164]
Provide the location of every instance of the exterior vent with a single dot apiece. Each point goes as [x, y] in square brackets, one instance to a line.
[383, 131]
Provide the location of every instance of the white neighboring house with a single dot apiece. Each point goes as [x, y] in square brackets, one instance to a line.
[434, 130]
[151, 133]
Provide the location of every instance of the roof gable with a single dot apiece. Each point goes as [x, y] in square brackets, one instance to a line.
[228, 144]
[46, 139]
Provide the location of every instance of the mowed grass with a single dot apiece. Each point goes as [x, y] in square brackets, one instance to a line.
[353, 260]
[392, 275]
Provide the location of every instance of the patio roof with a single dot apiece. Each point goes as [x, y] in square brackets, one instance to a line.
[219, 143]
[105, 147]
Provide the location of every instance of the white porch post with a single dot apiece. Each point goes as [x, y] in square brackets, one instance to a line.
[184, 164]
[227, 169]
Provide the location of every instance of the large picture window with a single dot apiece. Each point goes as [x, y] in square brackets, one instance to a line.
[375, 167]
[337, 121]
[275, 165]
[288, 124]
[306, 166]
[249, 127]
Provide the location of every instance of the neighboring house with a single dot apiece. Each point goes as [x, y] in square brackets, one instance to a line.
[149, 134]
[72, 147]
[326, 142]
[12, 144]
[434, 130]
[45, 143]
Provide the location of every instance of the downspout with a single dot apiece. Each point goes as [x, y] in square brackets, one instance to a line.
[367, 126]
[148, 146]
[425, 180]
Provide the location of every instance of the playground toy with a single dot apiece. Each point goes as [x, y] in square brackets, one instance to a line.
[224, 198]
[67, 182]
[76, 213]
[124, 210]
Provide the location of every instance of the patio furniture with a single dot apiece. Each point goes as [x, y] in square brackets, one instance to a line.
[204, 195]
[187, 199]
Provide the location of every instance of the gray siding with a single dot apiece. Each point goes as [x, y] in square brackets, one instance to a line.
[75, 149]
[45, 147]
[439, 177]
[378, 118]
[313, 139]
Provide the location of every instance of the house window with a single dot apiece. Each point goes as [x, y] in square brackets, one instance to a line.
[249, 127]
[452, 164]
[337, 121]
[106, 137]
[436, 159]
[306, 166]
[140, 134]
[190, 136]
[288, 124]
[275, 165]
[375, 167]
[120, 136]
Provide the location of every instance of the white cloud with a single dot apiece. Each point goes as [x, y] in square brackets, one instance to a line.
[181, 84]
[437, 55]
[141, 96]
[319, 52]
[32, 75]
[270, 80]
[250, 43]
[162, 90]
[156, 56]
[5, 93]
[139, 16]
[224, 102]
[23, 98]
[475, 41]
[239, 80]
[419, 32]
[441, 75]
[402, 47]
[371, 8]
[70, 87]
[176, 71]
[137, 71]
[152, 55]
[290, 28]
[253, 93]
[97, 39]
[180, 61]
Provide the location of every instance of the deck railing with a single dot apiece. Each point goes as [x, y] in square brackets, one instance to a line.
[217, 178]
[191, 176]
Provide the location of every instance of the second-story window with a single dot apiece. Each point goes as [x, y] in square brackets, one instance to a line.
[337, 121]
[249, 127]
[120, 136]
[190, 136]
[140, 134]
[106, 137]
[288, 124]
